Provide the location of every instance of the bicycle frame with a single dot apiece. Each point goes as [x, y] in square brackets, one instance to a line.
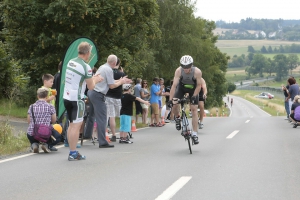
[185, 126]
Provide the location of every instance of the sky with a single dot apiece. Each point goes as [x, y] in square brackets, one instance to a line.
[235, 10]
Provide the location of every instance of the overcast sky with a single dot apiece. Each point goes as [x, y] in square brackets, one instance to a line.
[235, 10]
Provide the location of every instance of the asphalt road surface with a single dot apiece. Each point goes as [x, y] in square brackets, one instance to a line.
[248, 155]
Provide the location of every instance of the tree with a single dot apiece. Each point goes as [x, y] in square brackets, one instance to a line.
[124, 28]
[250, 57]
[270, 50]
[258, 64]
[251, 49]
[269, 67]
[183, 34]
[280, 66]
[281, 49]
[263, 50]
[293, 61]
[6, 79]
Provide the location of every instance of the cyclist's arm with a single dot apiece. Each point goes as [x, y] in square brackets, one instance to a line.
[198, 76]
[175, 83]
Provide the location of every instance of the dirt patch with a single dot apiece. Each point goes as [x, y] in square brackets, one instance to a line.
[13, 119]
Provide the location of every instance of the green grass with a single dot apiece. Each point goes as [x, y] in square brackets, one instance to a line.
[10, 144]
[11, 109]
[239, 47]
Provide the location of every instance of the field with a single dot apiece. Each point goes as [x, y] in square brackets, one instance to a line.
[239, 47]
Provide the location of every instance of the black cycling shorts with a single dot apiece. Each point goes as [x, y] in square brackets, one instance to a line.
[75, 110]
[181, 91]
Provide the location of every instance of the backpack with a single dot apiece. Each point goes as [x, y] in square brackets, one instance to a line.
[297, 113]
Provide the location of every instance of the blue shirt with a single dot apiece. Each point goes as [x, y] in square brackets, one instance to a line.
[136, 90]
[154, 97]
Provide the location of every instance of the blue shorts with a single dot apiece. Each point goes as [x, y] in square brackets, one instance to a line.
[125, 123]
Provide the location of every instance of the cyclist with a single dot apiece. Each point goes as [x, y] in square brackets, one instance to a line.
[187, 79]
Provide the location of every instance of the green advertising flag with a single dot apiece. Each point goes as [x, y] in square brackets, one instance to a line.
[72, 52]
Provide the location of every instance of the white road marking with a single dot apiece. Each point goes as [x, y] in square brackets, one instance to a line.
[58, 147]
[232, 134]
[14, 158]
[247, 121]
[174, 188]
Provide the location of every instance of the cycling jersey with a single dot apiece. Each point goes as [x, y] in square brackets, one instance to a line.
[188, 80]
[76, 73]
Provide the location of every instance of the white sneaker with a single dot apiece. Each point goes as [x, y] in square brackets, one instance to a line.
[167, 121]
[201, 126]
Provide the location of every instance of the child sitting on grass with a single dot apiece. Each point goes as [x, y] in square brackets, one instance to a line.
[127, 100]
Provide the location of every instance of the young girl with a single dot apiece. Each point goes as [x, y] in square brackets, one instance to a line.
[126, 112]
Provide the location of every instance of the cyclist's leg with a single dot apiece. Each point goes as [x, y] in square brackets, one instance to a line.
[194, 108]
[201, 106]
[179, 93]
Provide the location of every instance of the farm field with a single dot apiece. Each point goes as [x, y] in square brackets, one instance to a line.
[239, 47]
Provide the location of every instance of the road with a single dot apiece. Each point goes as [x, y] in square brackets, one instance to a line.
[248, 155]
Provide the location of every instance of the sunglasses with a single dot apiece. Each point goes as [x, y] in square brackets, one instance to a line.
[145, 83]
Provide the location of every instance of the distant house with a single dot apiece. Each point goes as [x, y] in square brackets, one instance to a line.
[234, 32]
[260, 34]
[272, 34]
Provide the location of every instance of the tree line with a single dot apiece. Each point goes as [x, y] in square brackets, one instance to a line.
[257, 64]
[294, 48]
[149, 37]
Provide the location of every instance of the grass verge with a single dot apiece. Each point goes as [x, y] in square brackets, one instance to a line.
[9, 143]
[11, 109]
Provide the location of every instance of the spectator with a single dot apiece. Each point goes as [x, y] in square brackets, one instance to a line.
[47, 83]
[167, 95]
[285, 90]
[44, 113]
[113, 101]
[136, 92]
[294, 106]
[56, 86]
[145, 95]
[96, 97]
[160, 102]
[126, 112]
[156, 90]
[78, 76]
[293, 91]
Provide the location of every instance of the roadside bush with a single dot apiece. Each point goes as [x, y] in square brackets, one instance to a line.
[26, 96]
[6, 77]
[231, 87]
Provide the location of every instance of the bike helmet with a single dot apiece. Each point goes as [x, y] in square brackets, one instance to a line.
[186, 61]
[126, 86]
